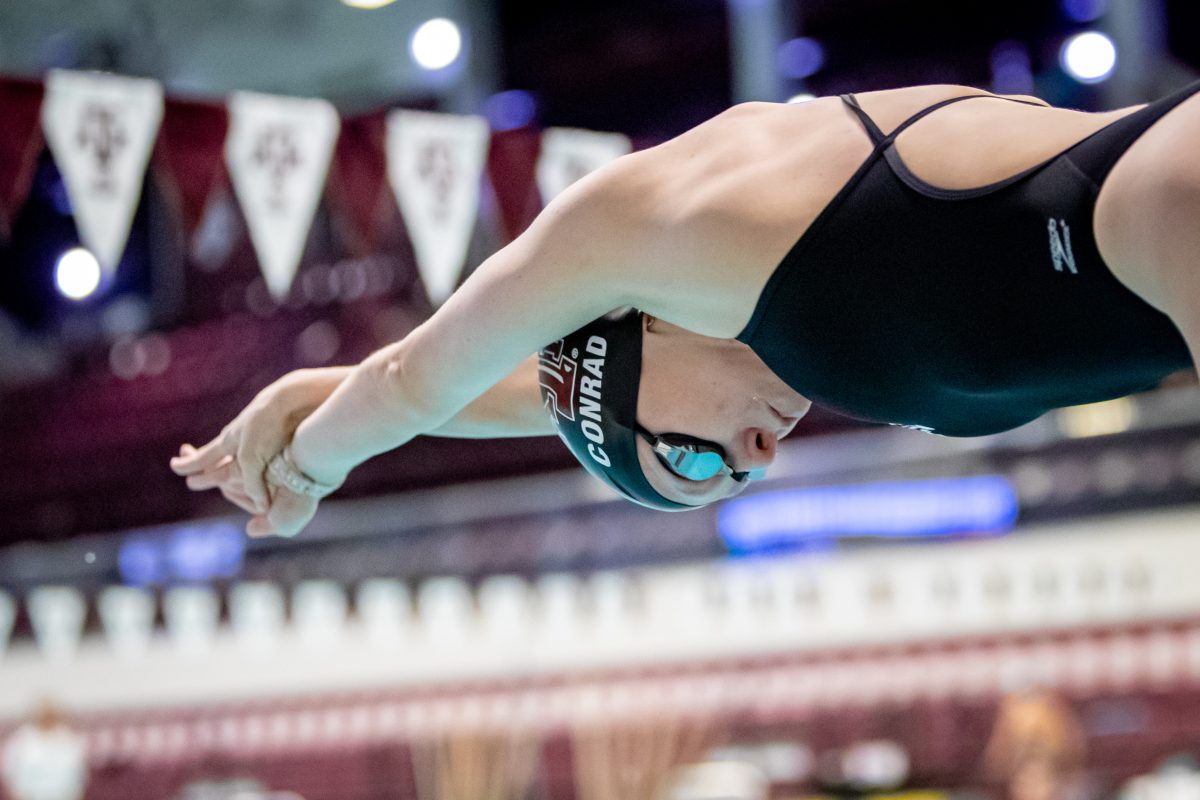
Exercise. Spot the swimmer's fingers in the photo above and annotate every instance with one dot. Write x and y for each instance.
(225, 477)
(252, 458)
(262, 429)
(224, 471)
(238, 499)
(190, 460)
(287, 516)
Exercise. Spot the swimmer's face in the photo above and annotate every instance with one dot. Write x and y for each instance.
(712, 389)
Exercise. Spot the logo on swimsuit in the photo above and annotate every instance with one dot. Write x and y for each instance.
(1060, 246)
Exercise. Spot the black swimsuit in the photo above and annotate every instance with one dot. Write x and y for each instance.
(963, 312)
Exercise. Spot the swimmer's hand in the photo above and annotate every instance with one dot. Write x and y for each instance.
(235, 461)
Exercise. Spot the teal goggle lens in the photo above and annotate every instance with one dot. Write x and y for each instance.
(695, 459)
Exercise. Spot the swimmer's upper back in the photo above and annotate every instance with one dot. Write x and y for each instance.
(733, 195)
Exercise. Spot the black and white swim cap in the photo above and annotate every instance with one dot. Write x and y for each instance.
(589, 381)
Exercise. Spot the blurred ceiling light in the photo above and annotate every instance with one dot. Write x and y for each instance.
(317, 344)
(1097, 419)
(436, 44)
(1012, 72)
(126, 314)
(126, 359)
(77, 273)
(800, 58)
(1084, 10)
(368, 4)
(803, 97)
(1089, 57)
(510, 110)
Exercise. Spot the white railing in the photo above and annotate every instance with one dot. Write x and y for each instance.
(1110, 571)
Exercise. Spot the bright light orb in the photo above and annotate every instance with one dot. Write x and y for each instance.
(1089, 57)
(436, 44)
(77, 273)
(368, 4)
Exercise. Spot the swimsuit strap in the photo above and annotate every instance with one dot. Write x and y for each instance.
(924, 112)
(873, 131)
(882, 141)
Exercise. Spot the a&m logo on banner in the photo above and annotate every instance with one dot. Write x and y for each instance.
(435, 165)
(569, 154)
(278, 151)
(101, 129)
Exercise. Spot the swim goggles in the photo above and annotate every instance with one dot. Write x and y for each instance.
(694, 459)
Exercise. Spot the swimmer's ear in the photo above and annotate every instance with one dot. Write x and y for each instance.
(649, 321)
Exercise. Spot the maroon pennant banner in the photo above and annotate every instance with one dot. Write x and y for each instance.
(190, 152)
(358, 176)
(20, 144)
(511, 167)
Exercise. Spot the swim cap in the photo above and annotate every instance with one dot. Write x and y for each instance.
(589, 381)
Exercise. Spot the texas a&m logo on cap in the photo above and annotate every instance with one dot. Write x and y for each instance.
(556, 376)
(573, 394)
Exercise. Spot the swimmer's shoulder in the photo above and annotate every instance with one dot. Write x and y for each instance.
(710, 214)
(890, 107)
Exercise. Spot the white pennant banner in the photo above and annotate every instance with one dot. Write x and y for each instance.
(101, 129)
(57, 614)
(567, 154)
(435, 164)
(278, 151)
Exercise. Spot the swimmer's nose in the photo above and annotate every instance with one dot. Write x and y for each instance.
(759, 445)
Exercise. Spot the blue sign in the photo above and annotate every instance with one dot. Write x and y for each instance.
(198, 552)
(900, 509)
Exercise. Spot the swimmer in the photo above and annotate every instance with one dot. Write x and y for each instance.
(937, 257)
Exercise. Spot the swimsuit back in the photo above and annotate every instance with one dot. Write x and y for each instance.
(963, 312)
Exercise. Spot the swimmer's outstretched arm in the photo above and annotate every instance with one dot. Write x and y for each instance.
(551, 280)
(513, 407)
(582, 257)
